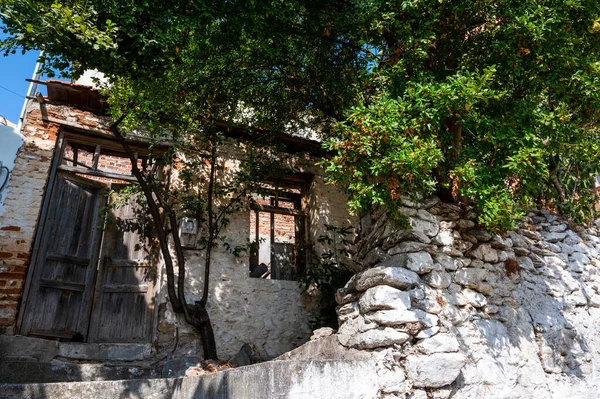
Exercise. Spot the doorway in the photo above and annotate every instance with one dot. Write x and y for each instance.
(92, 276)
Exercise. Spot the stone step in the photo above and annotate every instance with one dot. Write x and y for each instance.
(46, 350)
(139, 389)
(29, 370)
(330, 379)
(35, 360)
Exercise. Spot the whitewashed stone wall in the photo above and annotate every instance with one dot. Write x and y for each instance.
(453, 311)
(272, 315)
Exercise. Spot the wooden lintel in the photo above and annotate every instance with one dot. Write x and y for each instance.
(76, 127)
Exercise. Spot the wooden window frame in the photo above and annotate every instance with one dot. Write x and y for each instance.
(299, 182)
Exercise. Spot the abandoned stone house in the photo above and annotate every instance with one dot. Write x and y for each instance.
(64, 276)
(444, 310)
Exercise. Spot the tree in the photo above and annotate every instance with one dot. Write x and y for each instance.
(161, 81)
(490, 102)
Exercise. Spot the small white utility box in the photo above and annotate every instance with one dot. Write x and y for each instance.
(188, 231)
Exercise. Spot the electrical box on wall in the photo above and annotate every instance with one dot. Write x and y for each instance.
(188, 232)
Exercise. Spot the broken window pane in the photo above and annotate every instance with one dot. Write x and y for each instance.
(277, 232)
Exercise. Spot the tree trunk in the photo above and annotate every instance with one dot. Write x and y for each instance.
(195, 315)
(448, 187)
(204, 326)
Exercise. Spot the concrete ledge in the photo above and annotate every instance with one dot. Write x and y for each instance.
(331, 379)
(24, 371)
(106, 352)
(14, 347)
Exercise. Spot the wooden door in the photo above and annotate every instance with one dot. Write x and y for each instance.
(63, 278)
(124, 299)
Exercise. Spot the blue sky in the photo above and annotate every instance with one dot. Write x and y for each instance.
(14, 69)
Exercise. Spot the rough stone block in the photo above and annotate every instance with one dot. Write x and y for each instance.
(384, 297)
(353, 327)
(486, 253)
(419, 262)
(379, 337)
(476, 299)
(424, 223)
(439, 343)
(405, 235)
(374, 256)
(554, 237)
(470, 277)
(411, 246)
(399, 317)
(438, 279)
(447, 262)
(393, 276)
(444, 237)
(434, 371)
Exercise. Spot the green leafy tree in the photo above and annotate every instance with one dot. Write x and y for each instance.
(490, 102)
(494, 102)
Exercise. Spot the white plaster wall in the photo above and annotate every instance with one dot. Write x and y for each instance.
(273, 315)
(10, 142)
(326, 205)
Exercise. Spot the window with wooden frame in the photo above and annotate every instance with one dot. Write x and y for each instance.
(278, 233)
(100, 158)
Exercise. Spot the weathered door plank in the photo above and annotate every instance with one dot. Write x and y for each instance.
(64, 273)
(124, 299)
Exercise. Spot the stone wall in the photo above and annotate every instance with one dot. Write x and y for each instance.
(22, 206)
(454, 311)
(271, 314)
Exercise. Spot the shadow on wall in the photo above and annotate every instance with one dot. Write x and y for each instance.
(546, 328)
(557, 321)
(272, 314)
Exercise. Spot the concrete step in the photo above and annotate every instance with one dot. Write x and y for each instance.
(27, 370)
(329, 379)
(35, 360)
